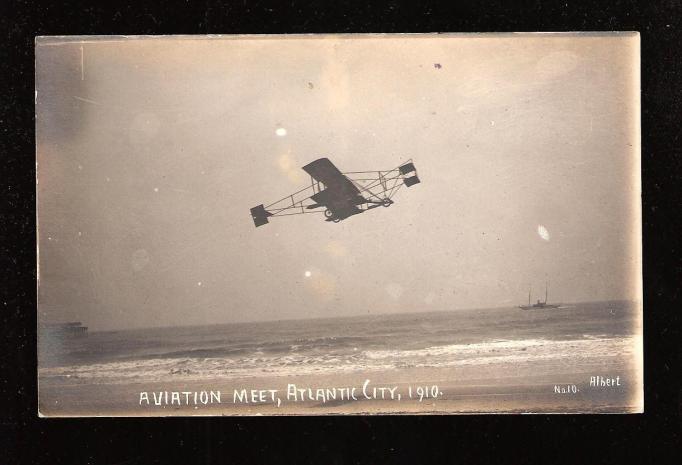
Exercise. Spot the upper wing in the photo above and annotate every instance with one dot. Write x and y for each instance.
(324, 171)
(340, 195)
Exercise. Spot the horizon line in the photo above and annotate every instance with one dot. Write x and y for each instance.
(140, 328)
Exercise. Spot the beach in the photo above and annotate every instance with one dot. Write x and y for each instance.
(462, 392)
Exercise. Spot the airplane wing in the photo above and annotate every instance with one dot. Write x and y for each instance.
(340, 195)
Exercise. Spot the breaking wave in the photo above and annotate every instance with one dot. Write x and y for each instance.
(307, 357)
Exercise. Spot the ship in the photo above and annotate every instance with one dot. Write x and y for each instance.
(539, 304)
(64, 330)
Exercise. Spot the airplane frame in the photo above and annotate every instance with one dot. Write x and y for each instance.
(377, 187)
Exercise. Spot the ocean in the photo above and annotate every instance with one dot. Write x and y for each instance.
(360, 344)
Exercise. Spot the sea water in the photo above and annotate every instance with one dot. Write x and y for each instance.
(344, 345)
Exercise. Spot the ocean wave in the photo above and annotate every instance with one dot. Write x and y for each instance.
(328, 344)
(261, 363)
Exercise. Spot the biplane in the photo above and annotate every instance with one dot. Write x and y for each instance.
(339, 195)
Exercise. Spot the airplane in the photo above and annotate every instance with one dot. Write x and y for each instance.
(339, 195)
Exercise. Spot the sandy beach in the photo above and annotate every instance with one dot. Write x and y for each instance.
(534, 387)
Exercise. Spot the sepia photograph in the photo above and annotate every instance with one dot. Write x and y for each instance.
(344, 224)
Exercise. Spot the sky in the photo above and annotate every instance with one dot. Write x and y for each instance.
(151, 152)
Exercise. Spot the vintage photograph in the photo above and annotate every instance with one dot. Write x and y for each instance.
(339, 224)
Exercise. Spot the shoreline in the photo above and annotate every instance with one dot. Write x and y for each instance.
(462, 390)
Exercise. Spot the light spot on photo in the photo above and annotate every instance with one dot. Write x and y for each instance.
(336, 249)
(290, 167)
(543, 232)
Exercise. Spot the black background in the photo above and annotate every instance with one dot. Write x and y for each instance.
(653, 437)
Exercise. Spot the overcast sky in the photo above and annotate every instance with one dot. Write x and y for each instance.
(151, 152)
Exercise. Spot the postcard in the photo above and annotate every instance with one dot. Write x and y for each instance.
(339, 224)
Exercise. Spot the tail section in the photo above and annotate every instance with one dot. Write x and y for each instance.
(260, 215)
(406, 169)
